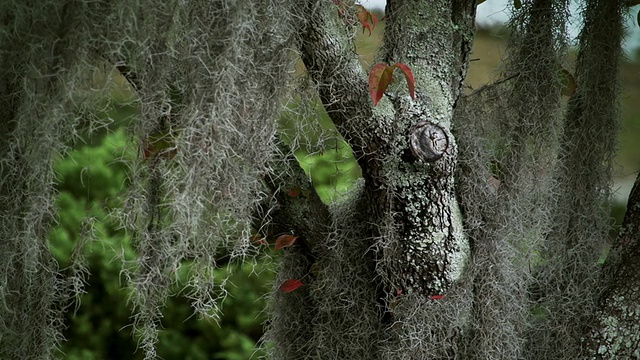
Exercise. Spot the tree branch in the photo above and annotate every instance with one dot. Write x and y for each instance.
(301, 211)
(329, 55)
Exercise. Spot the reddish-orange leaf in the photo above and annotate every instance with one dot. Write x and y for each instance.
(379, 78)
(171, 153)
(259, 239)
(411, 81)
(147, 152)
(290, 285)
(436, 297)
(364, 16)
(294, 192)
(284, 241)
(374, 20)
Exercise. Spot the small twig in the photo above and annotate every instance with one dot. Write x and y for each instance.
(488, 86)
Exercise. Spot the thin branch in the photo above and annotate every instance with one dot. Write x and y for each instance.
(492, 85)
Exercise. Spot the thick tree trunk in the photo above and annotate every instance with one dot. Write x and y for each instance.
(616, 330)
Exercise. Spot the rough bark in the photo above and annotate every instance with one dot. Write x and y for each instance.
(616, 331)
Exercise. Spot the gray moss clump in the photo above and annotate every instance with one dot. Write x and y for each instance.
(209, 76)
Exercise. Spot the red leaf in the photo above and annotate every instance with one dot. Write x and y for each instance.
(257, 238)
(436, 297)
(284, 241)
(379, 78)
(411, 81)
(294, 192)
(364, 16)
(290, 285)
(374, 20)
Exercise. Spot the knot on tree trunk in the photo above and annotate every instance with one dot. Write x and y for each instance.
(428, 142)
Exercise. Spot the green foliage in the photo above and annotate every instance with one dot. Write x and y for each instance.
(91, 181)
(319, 148)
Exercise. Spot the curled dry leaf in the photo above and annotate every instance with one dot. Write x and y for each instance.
(284, 241)
(290, 285)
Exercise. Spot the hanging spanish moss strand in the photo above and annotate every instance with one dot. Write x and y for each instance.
(519, 174)
(209, 76)
(567, 284)
(42, 48)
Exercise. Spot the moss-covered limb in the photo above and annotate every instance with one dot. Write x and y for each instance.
(328, 52)
(615, 333)
(463, 17)
(491, 272)
(298, 209)
(434, 39)
(336, 313)
(569, 279)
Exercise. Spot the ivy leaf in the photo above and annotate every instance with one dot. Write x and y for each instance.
(290, 285)
(284, 241)
(411, 81)
(568, 82)
(378, 85)
(517, 4)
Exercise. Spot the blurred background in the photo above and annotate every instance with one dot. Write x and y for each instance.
(93, 178)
